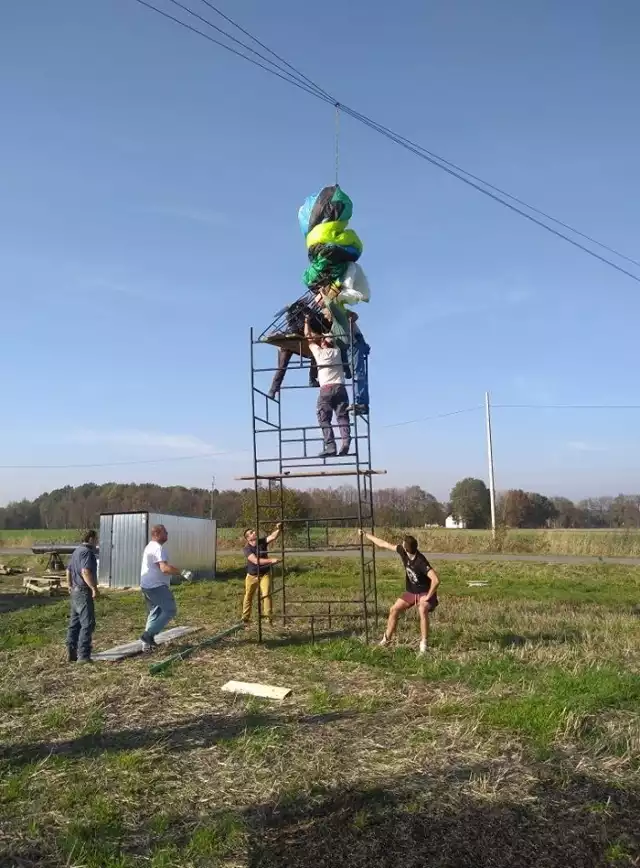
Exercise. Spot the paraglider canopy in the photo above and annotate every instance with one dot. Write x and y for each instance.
(333, 250)
(330, 205)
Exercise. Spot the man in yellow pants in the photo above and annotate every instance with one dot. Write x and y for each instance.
(258, 571)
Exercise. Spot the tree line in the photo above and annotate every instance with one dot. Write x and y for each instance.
(80, 507)
(470, 504)
(412, 506)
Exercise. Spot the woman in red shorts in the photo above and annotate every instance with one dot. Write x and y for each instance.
(420, 589)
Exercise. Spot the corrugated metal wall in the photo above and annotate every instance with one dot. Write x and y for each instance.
(192, 541)
(191, 545)
(128, 539)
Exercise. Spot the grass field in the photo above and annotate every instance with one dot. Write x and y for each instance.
(596, 543)
(514, 743)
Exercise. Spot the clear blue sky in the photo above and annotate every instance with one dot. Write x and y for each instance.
(148, 216)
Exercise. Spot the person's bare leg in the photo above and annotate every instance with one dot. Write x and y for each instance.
(392, 622)
(423, 609)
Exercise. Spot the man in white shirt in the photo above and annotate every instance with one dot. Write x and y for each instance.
(155, 579)
(333, 395)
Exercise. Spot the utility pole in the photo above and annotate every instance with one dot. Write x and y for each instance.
(213, 486)
(492, 488)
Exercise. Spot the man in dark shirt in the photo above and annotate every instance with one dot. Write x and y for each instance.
(421, 581)
(82, 578)
(258, 571)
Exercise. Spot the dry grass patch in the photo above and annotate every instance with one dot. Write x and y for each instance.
(514, 743)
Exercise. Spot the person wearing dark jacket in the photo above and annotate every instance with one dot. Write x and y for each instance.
(82, 579)
(296, 314)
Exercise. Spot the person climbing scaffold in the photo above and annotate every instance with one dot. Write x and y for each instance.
(258, 571)
(333, 397)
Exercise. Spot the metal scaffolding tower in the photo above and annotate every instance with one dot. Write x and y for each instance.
(284, 451)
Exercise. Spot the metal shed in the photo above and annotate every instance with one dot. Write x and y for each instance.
(123, 536)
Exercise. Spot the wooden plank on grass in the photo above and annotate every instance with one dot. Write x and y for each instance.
(130, 649)
(266, 691)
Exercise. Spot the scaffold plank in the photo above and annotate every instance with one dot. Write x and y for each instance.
(286, 475)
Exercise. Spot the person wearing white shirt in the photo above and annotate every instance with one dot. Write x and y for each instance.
(155, 580)
(333, 395)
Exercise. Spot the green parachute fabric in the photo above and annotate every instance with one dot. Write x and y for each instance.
(322, 273)
(331, 245)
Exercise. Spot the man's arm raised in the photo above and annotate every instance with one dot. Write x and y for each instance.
(383, 544)
(276, 533)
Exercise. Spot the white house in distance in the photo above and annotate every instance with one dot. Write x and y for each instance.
(454, 524)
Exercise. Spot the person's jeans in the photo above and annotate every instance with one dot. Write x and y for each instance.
(250, 586)
(82, 623)
(161, 605)
(284, 357)
(360, 365)
(334, 398)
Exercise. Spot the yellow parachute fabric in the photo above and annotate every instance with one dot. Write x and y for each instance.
(335, 233)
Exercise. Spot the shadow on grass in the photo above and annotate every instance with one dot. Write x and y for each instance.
(568, 636)
(304, 637)
(176, 736)
(16, 602)
(424, 821)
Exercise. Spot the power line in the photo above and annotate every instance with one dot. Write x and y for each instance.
(266, 48)
(205, 455)
(493, 187)
(445, 168)
(567, 406)
(195, 457)
(232, 38)
(307, 84)
(117, 463)
(422, 148)
(284, 77)
(437, 416)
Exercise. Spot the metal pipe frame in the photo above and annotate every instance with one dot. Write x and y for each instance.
(269, 509)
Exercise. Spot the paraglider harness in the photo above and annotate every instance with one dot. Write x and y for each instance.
(287, 333)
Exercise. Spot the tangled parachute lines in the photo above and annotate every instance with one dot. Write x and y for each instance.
(332, 247)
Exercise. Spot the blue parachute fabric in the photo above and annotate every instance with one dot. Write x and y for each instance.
(330, 205)
(304, 214)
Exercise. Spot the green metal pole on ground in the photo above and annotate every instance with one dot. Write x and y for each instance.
(155, 668)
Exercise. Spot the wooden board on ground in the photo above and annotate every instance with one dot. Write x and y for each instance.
(266, 691)
(130, 649)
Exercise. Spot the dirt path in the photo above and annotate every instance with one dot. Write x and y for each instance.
(435, 556)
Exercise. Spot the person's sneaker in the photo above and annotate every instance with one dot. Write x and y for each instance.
(423, 649)
(359, 409)
(85, 660)
(72, 655)
(327, 453)
(345, 449)
(148, 643)
(384, 641)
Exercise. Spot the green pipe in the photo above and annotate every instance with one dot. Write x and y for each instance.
(155, 668)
